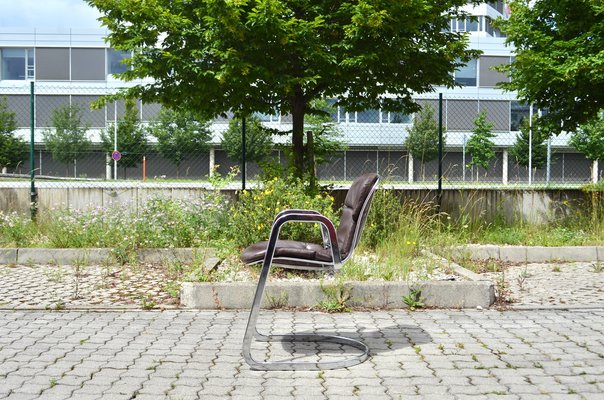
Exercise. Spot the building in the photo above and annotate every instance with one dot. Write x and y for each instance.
(76, 67)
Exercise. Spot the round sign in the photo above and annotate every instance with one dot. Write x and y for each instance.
(116, 155)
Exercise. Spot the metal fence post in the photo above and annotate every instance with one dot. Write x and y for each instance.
(32, 165)
(243, 150)
(440, 149)
(530, 149)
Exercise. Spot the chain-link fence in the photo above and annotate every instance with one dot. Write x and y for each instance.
(74, 141)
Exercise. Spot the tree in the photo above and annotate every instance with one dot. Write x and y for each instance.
(67, 141)
(520, 149)
(589, 139)
(422, 137)
(131, 137)
(258, 140)
(480, 146)
(558, 58)
(260, 55)
(180, 135)
(327, 136)
(13, 150)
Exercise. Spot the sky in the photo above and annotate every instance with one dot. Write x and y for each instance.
(47, 14)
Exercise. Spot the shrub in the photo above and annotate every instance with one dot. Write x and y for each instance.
(15, 229)
(382, 220)
(252, 216)
(160, 223)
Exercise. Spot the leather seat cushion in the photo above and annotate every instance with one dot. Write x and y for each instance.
(287, 248)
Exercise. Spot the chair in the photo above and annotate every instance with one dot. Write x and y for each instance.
(337, 248)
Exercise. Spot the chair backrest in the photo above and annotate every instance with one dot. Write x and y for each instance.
(354, 212)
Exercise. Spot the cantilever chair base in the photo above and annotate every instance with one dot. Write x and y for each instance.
(310, 366)
(326, 257)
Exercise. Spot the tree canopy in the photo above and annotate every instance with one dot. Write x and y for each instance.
(258, 140)
(180, 135)
(422, 138)
(68, 140)
(480, 145)
(589, 139)
(247, 56)
(12, 149)
(131, 137)
(531, 136)
(559, 58)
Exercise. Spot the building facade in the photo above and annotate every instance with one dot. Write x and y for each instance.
(76, 67)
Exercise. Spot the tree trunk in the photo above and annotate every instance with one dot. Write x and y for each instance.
(298, 109)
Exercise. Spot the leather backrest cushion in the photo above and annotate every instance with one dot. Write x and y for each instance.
(357, 194)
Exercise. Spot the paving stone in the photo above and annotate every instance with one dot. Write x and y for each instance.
(532, 338)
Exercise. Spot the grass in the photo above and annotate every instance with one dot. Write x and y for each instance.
(397, 230)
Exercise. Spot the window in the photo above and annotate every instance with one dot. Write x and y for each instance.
(368, 117)
(333, 110)
(491, 30)
(115, 64)
(87, 64)
(398, 118)
(497, 5)
(266, 117)
(519, 112)
(17, 64)
(470, 24)
(466, 75)
(52, 63)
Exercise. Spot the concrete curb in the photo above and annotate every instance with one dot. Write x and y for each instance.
(536, 254)
(89, 256)
(384, 295)
(8, 256)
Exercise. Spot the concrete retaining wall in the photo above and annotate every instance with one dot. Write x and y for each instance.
(487, 204)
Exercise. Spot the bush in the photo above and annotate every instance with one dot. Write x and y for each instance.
(160, 223)
(252, 216)
(382, 220)
(16, 230)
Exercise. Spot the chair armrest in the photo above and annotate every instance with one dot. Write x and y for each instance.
(296, 211)
(309, 217)
(324, 231)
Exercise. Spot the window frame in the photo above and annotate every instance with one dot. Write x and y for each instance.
(28, 57)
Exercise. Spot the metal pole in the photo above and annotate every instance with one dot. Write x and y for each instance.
(243, 150)
(115, 138)
(440, 149)
(32, 165)
(530, 160)
(549, 155)
(463, 156)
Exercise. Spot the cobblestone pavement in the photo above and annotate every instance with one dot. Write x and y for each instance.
(55, 286)
(433, 354)
(52, 286)
(572, 284)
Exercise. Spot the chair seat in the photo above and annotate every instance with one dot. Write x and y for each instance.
(287, 249)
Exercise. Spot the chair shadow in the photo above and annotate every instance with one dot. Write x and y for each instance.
(380, 341)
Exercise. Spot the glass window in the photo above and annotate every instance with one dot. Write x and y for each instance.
(30, 63)
(17, 64)
(333, 110)
(472, 24)
(519, 112)
(466, 75)
(368, 117)
(399, 118)
(114, 61)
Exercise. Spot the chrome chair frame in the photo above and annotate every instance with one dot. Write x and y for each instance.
(330, 241)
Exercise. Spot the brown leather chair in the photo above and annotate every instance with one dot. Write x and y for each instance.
(338, 246)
